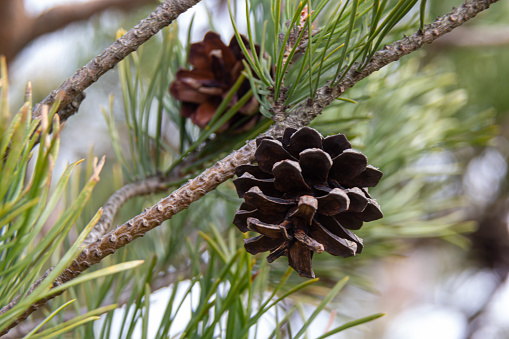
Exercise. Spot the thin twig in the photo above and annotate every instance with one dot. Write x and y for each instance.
(150, 185)
(18, 27)
(224, 169)
(164, 15)
(116, 200)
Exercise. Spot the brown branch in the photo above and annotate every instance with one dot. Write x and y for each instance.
(72, 107)
(224, 169)
(164, 15)
(165, 209)
(115, 201)
(151, 185)
(151, 218)
(13, 24)
(18, 28)
(307, 111)
(60, 16)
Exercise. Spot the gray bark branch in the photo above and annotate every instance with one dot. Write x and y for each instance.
(151, 185)
(164, 15)
(307, 111)
(115, 201)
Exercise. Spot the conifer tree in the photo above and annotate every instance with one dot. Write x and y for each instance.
(197, 113)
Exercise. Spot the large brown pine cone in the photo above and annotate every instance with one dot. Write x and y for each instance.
(304, 196)
(216, 67)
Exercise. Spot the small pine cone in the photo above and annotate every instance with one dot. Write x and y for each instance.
(304, 196)
(216, 67)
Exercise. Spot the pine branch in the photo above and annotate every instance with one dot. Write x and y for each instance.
(151, 185)
(72, 107)
(137, 227)
(304, 113)
(164, 15)
(18, 28)
(224, 169)
(120, 197)
(157, 283)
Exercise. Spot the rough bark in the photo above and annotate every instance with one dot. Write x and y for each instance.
(307, 111)
(164, 15)
(151, 185)
(113, 204)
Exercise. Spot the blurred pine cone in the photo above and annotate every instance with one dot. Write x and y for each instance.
(304, 196)
(216, 67)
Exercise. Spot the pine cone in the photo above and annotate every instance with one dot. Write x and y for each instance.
(304, 196)
(216, 67)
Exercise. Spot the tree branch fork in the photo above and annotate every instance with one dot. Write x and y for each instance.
(194, 189)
